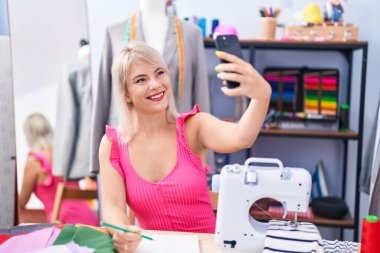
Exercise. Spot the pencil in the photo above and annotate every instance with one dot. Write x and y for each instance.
(124, 230)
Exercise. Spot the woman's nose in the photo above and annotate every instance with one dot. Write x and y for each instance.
(154, 84)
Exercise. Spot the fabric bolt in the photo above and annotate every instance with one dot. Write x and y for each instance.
(74, 111)
(36, 240)
(72, 211)
(339, 246)
(180, 201)
(282, 236)
(86, 236)
(195, 90)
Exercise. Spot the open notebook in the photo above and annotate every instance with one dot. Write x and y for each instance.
(169, 244)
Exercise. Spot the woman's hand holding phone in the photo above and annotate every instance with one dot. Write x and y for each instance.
(252, 84)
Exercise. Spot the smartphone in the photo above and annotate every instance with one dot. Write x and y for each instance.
(231, 45)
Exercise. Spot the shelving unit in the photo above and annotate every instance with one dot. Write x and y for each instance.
(347, 49)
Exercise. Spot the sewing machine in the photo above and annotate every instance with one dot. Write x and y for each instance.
(241, 186)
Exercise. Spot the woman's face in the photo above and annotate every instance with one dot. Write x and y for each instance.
(148, 87)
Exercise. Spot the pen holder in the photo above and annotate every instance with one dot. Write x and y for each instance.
(268, 28)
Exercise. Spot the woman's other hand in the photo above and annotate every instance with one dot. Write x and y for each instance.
(127, 242)
(252, 84)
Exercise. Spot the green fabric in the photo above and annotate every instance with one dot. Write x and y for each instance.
(66, 235)
(85, 236)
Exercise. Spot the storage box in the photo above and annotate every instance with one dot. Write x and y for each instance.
(323, 32)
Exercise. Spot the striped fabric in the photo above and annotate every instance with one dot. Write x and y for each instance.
(180, 201)
(339, 246)
(283, 237)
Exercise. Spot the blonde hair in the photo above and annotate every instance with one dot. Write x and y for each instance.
(38, 132)
(135, 52)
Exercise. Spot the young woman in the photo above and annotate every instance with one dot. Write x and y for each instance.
(154, 162)
(38, 176)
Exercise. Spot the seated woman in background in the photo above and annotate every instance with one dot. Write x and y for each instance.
(38, 176)
(155, 161)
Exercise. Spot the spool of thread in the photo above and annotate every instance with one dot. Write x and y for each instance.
(370, 235)
(202, 25)
(214, 24)
(344, 120)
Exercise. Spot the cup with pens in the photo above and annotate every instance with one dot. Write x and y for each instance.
(268, 22)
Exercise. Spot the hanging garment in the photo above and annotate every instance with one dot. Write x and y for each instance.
(29, 242)
(195, 86)
(367, 170)
(74, 111)
(374, 205)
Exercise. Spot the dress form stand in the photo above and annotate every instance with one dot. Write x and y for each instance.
(154, 23)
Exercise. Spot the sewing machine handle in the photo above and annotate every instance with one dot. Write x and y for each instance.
(263, 160)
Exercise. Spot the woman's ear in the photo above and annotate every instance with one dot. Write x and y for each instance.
(128, 98)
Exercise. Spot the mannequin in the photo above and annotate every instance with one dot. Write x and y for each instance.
(180, 43)
(154, 23)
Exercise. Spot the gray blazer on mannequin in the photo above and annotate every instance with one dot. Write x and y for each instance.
(196, 90)
(72, 137)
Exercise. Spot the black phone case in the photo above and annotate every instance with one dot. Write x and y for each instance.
(231, 45)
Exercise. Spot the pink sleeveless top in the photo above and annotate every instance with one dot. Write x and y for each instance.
(72, 211)
(180, 201)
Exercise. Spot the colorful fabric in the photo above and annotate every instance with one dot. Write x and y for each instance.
(68, 248)
(86, 236)
(30, 242)
(72, 211)
(4, 238)
(282, 236)
(278, 211)
(180, 201)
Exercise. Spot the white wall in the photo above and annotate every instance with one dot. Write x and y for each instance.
(44, 35)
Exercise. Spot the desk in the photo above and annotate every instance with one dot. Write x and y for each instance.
(206, 241)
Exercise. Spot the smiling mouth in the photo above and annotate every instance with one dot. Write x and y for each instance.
(157, 96)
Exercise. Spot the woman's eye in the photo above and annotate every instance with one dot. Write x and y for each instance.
(140, 81)
(160, 73)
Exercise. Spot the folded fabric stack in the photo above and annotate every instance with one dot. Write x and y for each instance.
(284, 89)
(50, 238)
(320, 94)
(283, 236)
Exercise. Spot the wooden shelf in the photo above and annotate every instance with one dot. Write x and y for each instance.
(310, 133)
(278, 44)
(346, 222)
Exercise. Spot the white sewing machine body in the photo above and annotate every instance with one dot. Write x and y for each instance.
(241, 186)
